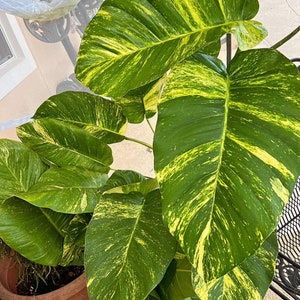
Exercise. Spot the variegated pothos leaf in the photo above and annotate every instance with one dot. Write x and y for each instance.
(141, 102)
(63, 144)
(97, 115)
(67, 190)
(74, 240)
(159, 34)
(127, 181)
(128, 248)
(177, 283)
(35, 233)
(226, 153)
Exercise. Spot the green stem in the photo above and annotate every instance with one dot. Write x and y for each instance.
(152, 129)
(285, 39)
(138, 142)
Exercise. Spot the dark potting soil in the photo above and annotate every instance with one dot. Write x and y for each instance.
(53, 279)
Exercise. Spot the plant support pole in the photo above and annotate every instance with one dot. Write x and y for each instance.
(228, 48)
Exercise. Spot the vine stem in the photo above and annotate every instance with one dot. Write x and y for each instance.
(138, 142)
(150, 125)
(285, 39)
(141, 142)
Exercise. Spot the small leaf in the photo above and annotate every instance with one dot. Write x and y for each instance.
(249, 34)
(177, 283)
(66, 190)
(132, 107)
(74, 241)
(99, 116)
(63, 144)
(153, 296)
(141, 102)
(151, 98)
(125, 182)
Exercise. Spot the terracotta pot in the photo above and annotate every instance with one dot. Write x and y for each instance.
(75, 290)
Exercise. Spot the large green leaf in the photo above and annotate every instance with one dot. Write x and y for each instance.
(64, 144)
(158, 34)
(101, 117)
(20, 168)
(128, 248)
(248, 281)
(227, 154)
(35, 233)
(67, 190)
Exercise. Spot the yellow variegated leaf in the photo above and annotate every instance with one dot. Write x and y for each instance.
(66, 190)
(128, 248)
(130, 43)
(97, 115)
(227, 154)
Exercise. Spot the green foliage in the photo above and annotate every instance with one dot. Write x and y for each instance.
(235, 160)
(135, 246)
(225, 150)
(158, 35)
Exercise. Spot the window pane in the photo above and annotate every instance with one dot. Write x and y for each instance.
(5, 52)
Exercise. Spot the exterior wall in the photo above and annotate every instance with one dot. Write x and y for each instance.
(53, 65)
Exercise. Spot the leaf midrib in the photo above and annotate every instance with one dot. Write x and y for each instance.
(72, 150)
(83, 125)
(223, 138)
(51, 222)
(131, 237)
(155, 44)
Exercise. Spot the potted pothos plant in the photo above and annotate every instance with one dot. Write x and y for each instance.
(225, 147)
